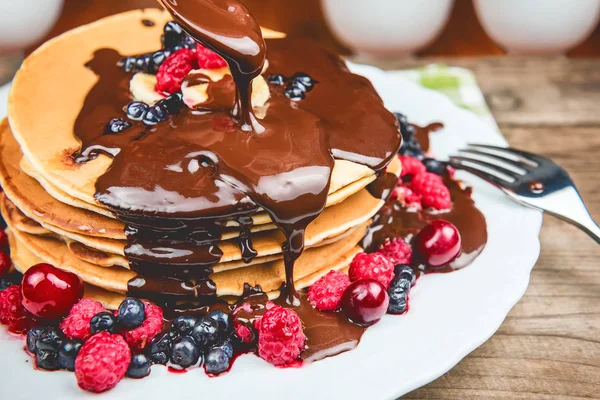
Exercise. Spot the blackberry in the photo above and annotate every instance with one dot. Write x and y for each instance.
(139, 367)
(172, 104)
(68, 352)
(104, 321)
(216, 361)
(183, 324)
(116, 125)
(184, 352)
(294, 92)
(49, 339)
(47, 359)
(303, 81)
(435, 166)
(155, 114)
(406, 272)
(276, 79)
(32, 337)
(159, 349)
(131, 313)
(223, 319)
(206, 332)
(135, 110)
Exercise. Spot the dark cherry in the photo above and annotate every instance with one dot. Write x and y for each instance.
(3, 240)
(49, 292)
(365, 301)
(437, 244)
(5, 264)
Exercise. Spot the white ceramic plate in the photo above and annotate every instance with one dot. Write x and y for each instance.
(450, 314)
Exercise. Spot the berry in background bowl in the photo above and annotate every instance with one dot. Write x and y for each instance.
(48, 292)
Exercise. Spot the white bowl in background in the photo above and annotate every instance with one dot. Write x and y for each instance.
(386, 27)
(25, 22)
(538, 26)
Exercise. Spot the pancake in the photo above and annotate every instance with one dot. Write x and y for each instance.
(32, 117)
(270, 276)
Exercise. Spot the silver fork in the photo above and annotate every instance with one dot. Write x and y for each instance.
(529, 179)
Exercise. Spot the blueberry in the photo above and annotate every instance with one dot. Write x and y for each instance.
(159, 349)
(227, 347)
(184, 352)
(47, 359)
(172, 35)
(435, 166)
(223, 319)
(303, 80)
(187, 42)
(135, 110)
(405, 271)
(9, 280)
(276, 79)
(49, 339)
(68, 352)
(104, 321)
(139, 367)
(402, 119)
(183, 324)
(206, 332)
(32, 337)
(173, 103)
(413, 149)
(398, 292)
(131, 313)
(155, 114)
(116, 125)
(216, 361)
(294, 93)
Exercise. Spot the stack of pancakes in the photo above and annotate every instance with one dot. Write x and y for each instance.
(49, 204)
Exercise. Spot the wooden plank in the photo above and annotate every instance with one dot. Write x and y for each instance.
(531, 91)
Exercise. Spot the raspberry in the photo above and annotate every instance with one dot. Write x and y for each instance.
(371, 266)
(246, 318)
(209, 59)
(139, 338)
(102, 362)
(432, 190)
(12, 312)
(397, 251)
(172, 71)
(326, 293)
(411, 166)
(77, 324)
(406, 195)
(281, 337)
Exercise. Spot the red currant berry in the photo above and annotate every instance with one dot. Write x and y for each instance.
(3, 240)
(365, 301)
(5, 263)
(49, 292)
(438, 243)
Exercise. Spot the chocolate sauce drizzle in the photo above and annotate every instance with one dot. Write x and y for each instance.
(175, 185)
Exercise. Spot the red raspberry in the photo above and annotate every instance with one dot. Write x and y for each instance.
(371, 266)
(397, 251)
(326, 293)
(5, 263)
(12, 312)
(77, 324)
(406, 195)
(411, 166)
(172, 71)
(432, 190)
(102, 362)
(246, 317)
(3, 240)
(281, 337)
(139, 337)
(209, 59)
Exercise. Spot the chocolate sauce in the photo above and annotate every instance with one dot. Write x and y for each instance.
(175, 185)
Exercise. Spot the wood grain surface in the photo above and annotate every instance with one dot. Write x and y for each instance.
(549, 345)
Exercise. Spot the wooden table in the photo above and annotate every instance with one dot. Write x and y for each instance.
(549, 346)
